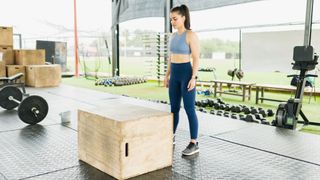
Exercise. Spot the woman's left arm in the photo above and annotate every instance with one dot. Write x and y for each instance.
(195, 54)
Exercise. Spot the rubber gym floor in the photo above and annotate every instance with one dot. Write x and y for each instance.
(229, 149)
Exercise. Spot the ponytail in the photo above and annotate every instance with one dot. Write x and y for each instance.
(183, 10)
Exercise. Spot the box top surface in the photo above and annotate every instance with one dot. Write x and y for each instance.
(44, 65)
(18, 50)
(10, 65)
(119, 111)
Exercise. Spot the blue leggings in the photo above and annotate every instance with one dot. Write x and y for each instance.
(180, 75)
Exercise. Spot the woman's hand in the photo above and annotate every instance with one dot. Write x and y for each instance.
(191, 84)
(166, 81)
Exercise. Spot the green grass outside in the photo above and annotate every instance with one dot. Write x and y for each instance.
(152, 91)
(138, 66)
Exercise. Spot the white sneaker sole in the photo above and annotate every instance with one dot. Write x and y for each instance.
(189, 154)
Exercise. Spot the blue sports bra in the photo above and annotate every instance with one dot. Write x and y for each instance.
(178, 44)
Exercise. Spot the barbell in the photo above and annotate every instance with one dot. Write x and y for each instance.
(31, 110)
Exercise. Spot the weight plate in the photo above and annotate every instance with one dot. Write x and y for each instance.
(33, 109)
(281, 115)
(4, 97)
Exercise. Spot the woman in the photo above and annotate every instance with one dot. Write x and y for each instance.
(184, 45)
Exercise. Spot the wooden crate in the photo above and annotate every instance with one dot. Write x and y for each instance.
(125, 140)
(29, 57)
(2, 69)
(6, 36)
(43, 75)
(14, 69)
(6, 55)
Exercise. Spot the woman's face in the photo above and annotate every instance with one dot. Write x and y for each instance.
(177, 20)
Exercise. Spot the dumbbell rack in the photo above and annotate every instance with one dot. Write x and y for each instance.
(209, 70)
(206, 70)
(157, 45)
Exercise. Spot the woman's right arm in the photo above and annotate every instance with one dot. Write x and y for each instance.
(166, 77)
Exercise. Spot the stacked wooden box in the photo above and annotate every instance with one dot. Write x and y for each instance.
(43, 75)
(125, 140)
(29, 62)
(6, 49)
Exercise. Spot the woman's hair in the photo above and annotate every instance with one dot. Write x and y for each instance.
(183, 10)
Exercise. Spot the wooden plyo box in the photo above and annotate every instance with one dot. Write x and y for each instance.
(6, 36)
(14, 69)
(43, 75)
(6, 55)
(2, 69)
(29, 57)
(125, 140)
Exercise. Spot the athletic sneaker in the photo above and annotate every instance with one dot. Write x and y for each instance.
(192, 148)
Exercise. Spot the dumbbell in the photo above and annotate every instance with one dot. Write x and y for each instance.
(107, 82)
(220, 101)
(164, 102)
(198, 103)
(222, 106)
(204, 103)
(251, 118)
(219, 113)
(236, 109)
(210, 102)
(263, 112)
(202, 110)
(242, 117)
(254, 111)
(270, 112)
(243, 106)
(31, 110)
(212, 112)
(227, 107)
(226, 114)
(216, 106)
(264, 121)
(258, 116)
(246, 110)
(234, 116)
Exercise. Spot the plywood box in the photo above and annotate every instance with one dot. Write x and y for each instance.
(43, 75)
(125, 140)
(29, 57)
(15, 69)
(6, 55)
(2, 69)
(6, 36)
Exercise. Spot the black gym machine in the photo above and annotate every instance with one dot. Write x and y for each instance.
(31, 109)
(305, 60)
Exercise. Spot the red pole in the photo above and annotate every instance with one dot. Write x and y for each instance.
(76, 55)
